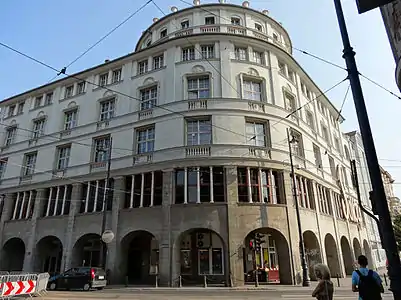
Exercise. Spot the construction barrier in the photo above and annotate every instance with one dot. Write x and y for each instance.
(22, 284)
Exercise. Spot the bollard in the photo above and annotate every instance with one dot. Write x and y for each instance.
(126, 281)
(180, 281)
(256, 279)
(385, 279)
(338, 280)
(204, 281)
(157, 281)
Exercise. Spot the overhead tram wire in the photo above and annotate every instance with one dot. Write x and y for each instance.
(342, 104)
(139, 100)
(64, 69)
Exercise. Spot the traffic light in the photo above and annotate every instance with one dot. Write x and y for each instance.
(258, 241)
(251, 245)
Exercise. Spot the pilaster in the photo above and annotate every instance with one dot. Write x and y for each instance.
(76, 196)
(37, 212)
(112, 248)
(167, 270)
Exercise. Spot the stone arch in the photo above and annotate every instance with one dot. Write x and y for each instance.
(347, 256)
(201, 252)
(72, 104)
(48, 255)
(368, 252)
(274, 257)
(253, 72)
(357, 248)
(148, 80)
(108, 94)
(13, 255)
(41, 114)
(198, 69)
(86, 251)
(312, 251)
(139, 257)
(332, 255)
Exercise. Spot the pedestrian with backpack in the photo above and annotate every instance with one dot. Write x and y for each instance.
(366, 282)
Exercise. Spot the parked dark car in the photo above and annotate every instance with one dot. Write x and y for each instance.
(85, 278)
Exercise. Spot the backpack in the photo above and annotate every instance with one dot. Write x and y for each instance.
(369, 288)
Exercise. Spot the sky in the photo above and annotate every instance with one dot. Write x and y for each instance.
(56, 32)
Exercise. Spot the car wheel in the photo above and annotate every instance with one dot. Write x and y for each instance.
(52, 286)
(86, 287)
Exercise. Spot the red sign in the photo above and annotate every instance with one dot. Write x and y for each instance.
(19, 288)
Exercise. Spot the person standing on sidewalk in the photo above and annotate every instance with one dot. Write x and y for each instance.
(325, 287)
(366, 282)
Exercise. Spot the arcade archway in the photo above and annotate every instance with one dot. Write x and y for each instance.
(48, 255)
(347, 256)
(312, 252)
(12, 255)
(86, 251)
(332, 255)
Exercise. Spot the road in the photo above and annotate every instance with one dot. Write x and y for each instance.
(198, 294)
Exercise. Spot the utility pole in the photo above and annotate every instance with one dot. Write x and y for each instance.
(379, 195)
(305, 274)
(102, 258)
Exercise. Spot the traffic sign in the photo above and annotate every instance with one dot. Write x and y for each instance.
(107, 236)
(367, 5)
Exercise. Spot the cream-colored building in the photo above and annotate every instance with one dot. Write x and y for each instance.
(198, 116)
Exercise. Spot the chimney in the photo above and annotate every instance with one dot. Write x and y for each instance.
(174, 9)
(266, 12)
(245, 4)
(155, 20)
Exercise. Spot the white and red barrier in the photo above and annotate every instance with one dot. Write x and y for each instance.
(22, 284)
(14, 288)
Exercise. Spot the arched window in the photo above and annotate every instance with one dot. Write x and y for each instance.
(236, 21)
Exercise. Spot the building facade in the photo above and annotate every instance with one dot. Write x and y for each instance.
(391, 14)
(365, 186)
(196, 122)
(392, 200)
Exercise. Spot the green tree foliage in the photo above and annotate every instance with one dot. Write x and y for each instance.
(397, 230)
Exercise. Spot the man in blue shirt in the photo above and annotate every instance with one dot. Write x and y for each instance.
(367, 282)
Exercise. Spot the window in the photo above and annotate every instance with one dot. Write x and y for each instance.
(198, 87)
(107, 109)
(209, 20)
(291, 75)
(332, 167)
(103, 79)
(296, 143)
(148, 97)
(281, 68)
(258, 27)
(275, 37)
(101, 149)
(10, 135)
(185, 24)
(163, 33)
(318, 156)
(188, 54)
(136, 197)
(325, 134)
(21, 107)
(48, 98)
(81, 87)
(70, 119)
(258, 57)
(347, 155)
(255, 134)
(3, 166)
(11, 110)
(94, 194)
(309, 119)
(29, 164)
(290, 102)
(63, 157)
(344, 171)
(158, 62)
(240, 53)
(207, 51)
(145, 140)
(142, 67)
(265, 185)
(38, 128)
(69, 90)
(199, 132)
(38, 102)
(116, 76)
(235, 21)
(337, 144)
(208, 176)
(252, 89)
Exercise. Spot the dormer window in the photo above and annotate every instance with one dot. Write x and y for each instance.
(163, 33)
(185, 24)
(258, 27)
(209, 21)
(11, 110)
(235, 21)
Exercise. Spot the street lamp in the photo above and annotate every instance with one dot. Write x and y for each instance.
(305, 274)
(102, 255)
